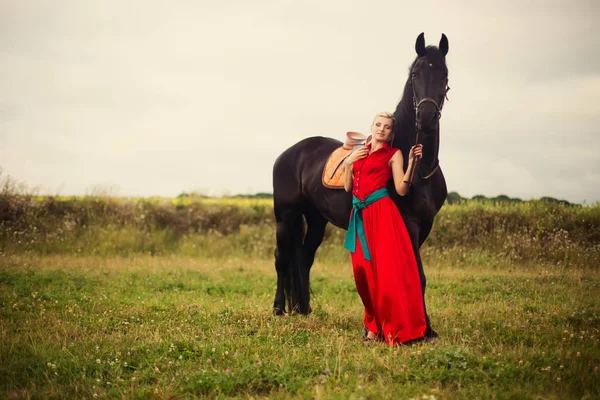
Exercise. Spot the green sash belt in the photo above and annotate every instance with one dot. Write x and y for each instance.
(356, 222)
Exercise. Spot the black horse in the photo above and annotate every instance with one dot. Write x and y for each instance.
(299, 194)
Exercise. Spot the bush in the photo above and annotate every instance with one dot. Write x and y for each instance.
(521, 231)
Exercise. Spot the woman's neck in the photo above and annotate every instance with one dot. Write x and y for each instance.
(376, 145)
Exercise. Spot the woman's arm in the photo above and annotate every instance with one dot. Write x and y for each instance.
(397, 164)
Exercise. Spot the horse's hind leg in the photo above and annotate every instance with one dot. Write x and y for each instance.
(314, 236)
(285, 217)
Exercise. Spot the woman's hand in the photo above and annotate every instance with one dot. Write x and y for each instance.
(356, 155)
(415, 151)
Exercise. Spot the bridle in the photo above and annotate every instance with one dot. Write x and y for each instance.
(417, 107)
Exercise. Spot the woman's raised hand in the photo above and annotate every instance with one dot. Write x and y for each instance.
(415, 151)
(356, 155)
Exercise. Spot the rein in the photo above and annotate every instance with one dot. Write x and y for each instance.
(417, 107)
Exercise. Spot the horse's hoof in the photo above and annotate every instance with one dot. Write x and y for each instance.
(278, 312)
(431, 336)
(298, 310)
(430, 340)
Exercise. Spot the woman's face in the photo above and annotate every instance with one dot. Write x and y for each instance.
(382, 129)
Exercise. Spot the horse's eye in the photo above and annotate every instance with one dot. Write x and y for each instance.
(413, 75)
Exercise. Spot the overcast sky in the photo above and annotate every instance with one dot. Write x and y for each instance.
(157, 98)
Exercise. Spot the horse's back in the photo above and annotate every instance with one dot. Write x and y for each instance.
(305, 157)
(305, 150)
(297, 180)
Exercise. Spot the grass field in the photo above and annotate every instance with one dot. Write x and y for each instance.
(182, 327)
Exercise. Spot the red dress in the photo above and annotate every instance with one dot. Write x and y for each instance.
(389, 284)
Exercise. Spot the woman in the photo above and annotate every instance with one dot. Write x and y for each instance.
(385, 269)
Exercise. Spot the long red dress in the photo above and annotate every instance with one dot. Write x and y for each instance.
(389, 284)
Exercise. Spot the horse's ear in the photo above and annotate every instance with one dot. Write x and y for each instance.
(420, 45)
(444, 45)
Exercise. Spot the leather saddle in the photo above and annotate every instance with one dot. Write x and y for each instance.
(333, 175)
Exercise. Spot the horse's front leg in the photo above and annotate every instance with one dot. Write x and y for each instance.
(414, 231)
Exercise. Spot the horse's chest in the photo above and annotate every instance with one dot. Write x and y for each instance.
(421, 203)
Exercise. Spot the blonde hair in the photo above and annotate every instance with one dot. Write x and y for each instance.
(387, 115)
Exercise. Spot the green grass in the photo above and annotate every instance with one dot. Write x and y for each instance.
(184, 327)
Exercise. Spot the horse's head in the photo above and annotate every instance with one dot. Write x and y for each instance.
(429, 82)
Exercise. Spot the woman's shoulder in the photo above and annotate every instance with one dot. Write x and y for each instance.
(389, 148)
(394, 151)
(391, 151)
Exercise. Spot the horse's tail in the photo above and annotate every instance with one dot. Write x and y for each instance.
(296, 285)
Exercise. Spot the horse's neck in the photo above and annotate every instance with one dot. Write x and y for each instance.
(431, 149)
(406, 136)
(405, 133)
